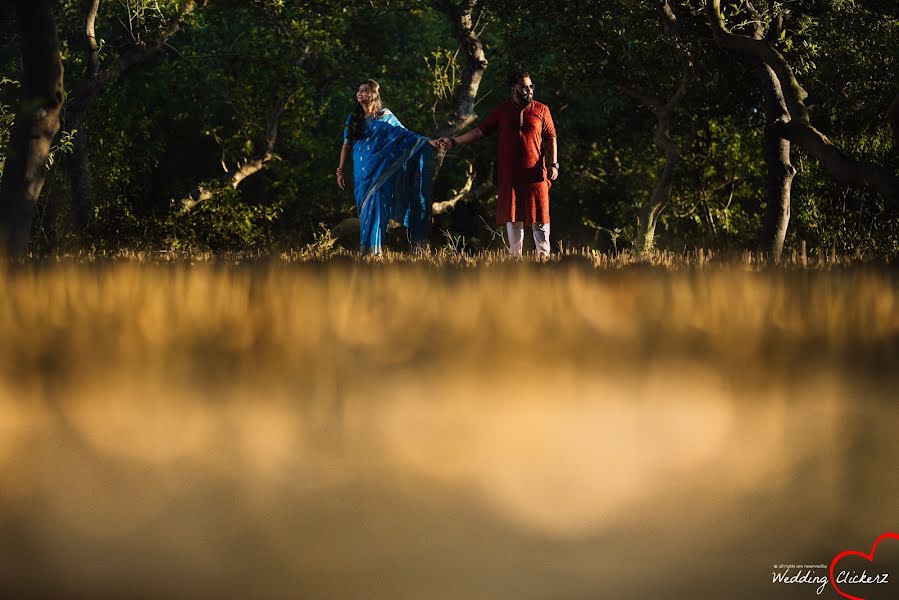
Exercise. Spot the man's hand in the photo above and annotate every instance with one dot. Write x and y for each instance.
(553, 172)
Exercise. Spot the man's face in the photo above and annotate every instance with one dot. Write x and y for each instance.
(523, 91)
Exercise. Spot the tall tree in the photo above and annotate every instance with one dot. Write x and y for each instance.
(663, 109)
(776, 147)
(37, 122)
(798, 127)
(86, 90)
(79, 164)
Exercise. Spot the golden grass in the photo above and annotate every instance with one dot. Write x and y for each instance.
(207, 426)
(326, 250)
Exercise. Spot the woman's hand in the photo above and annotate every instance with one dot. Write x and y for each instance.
(436, 144)
(340, 182)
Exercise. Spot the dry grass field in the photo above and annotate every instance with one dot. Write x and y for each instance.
(442, 426)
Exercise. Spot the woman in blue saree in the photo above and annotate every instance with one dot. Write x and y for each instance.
(392, 171)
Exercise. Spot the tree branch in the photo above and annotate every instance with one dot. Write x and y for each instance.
(146, 50)
(794, 93)
(249, 166)
(462, 113)
(668, 18)
(450, 203)
(686, 78)
(93, 50)
(844, 169)
(797, 127)
(775, 29)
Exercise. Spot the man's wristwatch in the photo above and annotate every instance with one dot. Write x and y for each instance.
(555, 164)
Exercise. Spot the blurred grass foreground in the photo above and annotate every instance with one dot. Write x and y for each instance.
(355, 429)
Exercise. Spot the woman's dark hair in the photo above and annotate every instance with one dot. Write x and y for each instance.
(357, 122)
(517, 76)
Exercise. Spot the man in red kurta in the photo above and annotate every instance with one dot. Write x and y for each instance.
(526, 134)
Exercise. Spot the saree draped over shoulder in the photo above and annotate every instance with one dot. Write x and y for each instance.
(392, 172)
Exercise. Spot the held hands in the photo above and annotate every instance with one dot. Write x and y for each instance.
(444, 143)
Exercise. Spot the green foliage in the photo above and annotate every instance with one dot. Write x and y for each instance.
(7, 113)
(64, 145)
(224, 222)
(205, 104)
(445, 72)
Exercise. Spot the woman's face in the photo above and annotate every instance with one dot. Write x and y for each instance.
(364, 94)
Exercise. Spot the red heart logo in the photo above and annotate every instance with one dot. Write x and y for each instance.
(868, 557)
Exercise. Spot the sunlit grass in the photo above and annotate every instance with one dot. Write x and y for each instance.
(341, 424)
(327, 250)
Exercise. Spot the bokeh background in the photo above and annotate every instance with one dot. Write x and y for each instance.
(394, 429)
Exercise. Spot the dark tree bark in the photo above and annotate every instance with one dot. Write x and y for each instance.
(776, 149)
(780, 169)
(798, 129)
(37, 122)
(88, 89)
(462, 114)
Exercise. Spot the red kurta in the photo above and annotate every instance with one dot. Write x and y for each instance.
(523, 186)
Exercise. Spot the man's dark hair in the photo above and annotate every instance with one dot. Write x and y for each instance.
(517, 76)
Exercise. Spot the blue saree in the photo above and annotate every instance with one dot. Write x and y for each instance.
(392, 172)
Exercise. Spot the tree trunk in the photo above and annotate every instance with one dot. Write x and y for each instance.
(37, 122)
(776, 150)
(79, 163)
(664, 112)
(462, 114)
(649, 212)
(778, 190)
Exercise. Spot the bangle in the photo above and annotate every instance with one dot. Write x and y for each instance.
(339, 172)
(453, 142)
